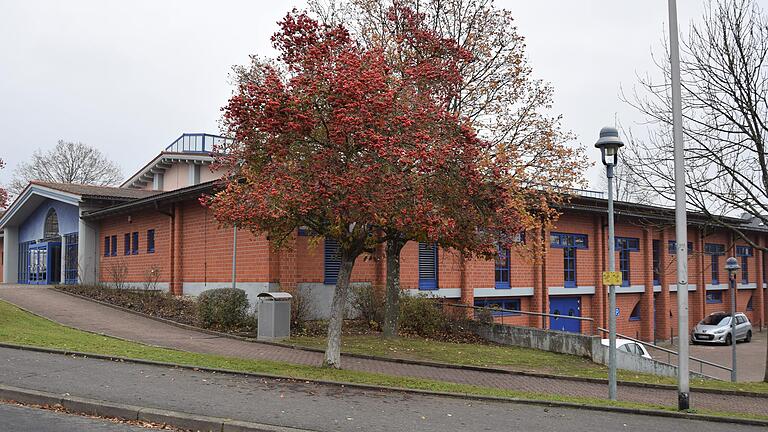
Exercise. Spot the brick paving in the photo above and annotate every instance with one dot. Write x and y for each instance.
(86, 315)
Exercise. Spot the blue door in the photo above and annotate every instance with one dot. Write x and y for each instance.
(43, 263)
(570, 306)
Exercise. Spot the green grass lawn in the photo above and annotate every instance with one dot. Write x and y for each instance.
(19, 327)
(497, 356)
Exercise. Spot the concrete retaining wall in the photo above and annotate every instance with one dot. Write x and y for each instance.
(529, 337)
(573, 344)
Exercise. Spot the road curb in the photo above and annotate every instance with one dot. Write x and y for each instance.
(132, 412)
(406, 361)
(537, 402)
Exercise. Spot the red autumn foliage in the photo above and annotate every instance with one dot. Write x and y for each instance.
(353, 140)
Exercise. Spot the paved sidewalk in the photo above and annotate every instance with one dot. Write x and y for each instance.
(309, 405)
(93, 317)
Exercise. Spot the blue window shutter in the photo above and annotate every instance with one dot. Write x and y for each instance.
(150, 241)
(114, 245)
(427, 266)
(106, 246)
(127, 245)
(332, 261)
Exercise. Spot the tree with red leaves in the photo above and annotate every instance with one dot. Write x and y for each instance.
(498, 95)
(360, 144)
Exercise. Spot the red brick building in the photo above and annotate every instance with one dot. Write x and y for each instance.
(162, 237)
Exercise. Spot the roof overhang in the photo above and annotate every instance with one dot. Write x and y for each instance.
(153, 202)
(30, 198)
(162, 162)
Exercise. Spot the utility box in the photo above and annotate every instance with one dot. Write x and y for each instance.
(274, 309)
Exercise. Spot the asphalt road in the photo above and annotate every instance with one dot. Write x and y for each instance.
(308, 405)
(23, 419)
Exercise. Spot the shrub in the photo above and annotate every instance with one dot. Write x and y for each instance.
(300, 311)
(423, 316)
(151, 277)
(370, 304)
(223, 309)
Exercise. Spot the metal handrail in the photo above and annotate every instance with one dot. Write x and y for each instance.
(590, 320)
(669, 351)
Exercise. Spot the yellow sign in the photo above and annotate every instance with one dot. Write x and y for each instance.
(612, 278)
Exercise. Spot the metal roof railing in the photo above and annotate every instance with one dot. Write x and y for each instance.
(197, 143)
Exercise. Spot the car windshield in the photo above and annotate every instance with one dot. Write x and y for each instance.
(715, 319)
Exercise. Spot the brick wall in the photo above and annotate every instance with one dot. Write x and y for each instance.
(138, 265)
(204, 254)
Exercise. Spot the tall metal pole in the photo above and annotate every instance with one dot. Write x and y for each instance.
(732, 281)
(234, 257)
(611, 290)
(681, 223)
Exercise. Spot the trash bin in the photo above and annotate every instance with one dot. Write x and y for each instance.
(274, 310)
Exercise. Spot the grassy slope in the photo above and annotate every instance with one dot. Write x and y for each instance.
(513, 358)
(19, 327)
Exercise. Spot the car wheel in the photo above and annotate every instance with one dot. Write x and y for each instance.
(749, 337)
(728, 340)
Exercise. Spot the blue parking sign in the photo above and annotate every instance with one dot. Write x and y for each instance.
(617, 311)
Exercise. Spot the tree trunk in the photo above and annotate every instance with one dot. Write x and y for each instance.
(392, 304)
(333, 350)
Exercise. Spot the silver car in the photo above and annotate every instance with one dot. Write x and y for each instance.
(716, 328)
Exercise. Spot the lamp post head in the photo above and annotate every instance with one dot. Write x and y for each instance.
(732, 264)
(609, 144)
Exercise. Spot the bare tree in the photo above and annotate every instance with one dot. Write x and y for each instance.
(725, 110)
(627, 186)
(68, 162)
(3, 192)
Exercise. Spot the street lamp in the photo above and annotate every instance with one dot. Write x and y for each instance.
(609, 144)
(731, 264)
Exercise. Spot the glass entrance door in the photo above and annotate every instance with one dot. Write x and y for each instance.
(44, 265)
(38, 264)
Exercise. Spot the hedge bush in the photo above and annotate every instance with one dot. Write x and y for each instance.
(224, 309)
(423, 316)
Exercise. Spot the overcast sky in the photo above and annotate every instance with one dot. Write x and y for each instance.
(129, 77)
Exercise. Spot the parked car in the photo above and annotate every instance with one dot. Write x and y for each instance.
(630, 346)
(716, 328)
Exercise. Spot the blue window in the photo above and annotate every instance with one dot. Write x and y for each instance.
(502, 268)
(113, 252)
(714, 251)
(106, 246)
(332, 261)
(656, 262)
(427, 266)
(512, 304)
(744, 252)
(749, 303)
(127, 244)
(135, 243)
(625, 245)
(305, 231)
(562, 240)
(151, 241)
(569, 243)
(673, 247)
(635, 315)
(714, 296)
